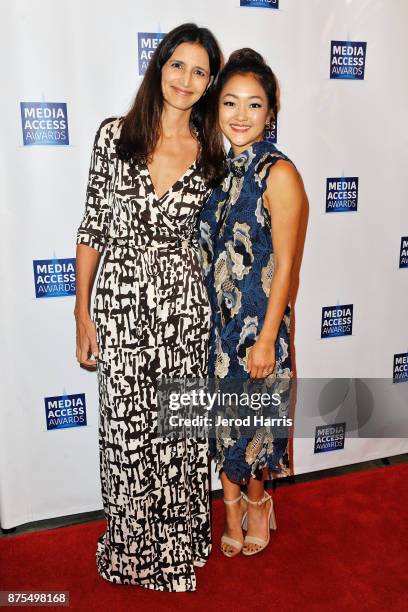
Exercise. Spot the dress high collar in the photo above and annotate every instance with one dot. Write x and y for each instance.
(239, 164)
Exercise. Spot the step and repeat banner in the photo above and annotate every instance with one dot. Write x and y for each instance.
(343, 72)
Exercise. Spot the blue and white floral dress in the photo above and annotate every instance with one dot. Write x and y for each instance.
(238, 262)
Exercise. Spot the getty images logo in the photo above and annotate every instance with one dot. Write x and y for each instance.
(62, 411)
(341, 194)
(403, 258)
(54, 277)
(337, 321)
(347, 59)
(44, 123)
(147, 45)
(272, 4)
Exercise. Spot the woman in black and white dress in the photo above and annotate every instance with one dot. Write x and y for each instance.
(150, 173)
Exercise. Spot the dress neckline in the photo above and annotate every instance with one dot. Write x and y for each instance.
(240, 163)
(150, 181)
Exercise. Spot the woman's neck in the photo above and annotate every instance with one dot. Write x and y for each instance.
(175, 122)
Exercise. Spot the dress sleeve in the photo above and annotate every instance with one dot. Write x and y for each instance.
(93, 230)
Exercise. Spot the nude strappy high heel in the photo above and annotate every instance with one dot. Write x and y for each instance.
(231, 541)
(271, 521)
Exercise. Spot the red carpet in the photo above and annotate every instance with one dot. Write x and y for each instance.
(341, 544)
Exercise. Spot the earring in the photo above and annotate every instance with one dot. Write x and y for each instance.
(268, 125)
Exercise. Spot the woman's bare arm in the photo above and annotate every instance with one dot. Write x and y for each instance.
(284, 198)
(87, 260)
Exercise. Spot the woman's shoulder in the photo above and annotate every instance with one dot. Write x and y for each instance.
(267, 157)
(107, 135)
(267, 151)
(110, 127)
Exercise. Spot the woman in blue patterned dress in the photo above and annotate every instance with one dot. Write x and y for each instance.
(248, 236)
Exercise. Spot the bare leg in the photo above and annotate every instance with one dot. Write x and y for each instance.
(257, 515)
(233, 514)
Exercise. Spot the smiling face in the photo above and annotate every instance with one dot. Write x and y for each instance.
(185, 76)
(243, 111)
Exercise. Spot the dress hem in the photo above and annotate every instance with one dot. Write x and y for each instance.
(273, 473)
(151, 587)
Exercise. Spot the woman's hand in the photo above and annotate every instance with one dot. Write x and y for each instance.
(261, 359)
(86, 343)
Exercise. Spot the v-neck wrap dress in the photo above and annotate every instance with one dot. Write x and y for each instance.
(152, 319)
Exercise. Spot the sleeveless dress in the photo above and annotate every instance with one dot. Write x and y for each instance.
(238, 261)
(152, 317)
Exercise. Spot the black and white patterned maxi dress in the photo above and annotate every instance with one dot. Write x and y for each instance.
(152, 318)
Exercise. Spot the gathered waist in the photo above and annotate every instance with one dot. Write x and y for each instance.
(158, 259)
(148, 243)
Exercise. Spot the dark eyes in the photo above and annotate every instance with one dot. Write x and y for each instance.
(252, 105)
(177, 65)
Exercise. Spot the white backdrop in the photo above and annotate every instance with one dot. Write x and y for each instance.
(85, 54)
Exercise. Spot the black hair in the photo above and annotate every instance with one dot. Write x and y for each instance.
(248, 61)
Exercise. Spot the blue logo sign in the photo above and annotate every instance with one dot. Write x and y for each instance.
(329, 437)
(271, 135)
(342, 194)
(403, 261)
(347, 60)
(147, 44)
(64, 411)
(272, 4)
(54, 277)
(44, 123)
(337, 321)
(400, 369)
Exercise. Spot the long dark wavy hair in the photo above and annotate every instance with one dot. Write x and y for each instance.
(141, 126)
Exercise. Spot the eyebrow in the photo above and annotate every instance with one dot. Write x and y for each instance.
(181, 62)
(234, 96)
